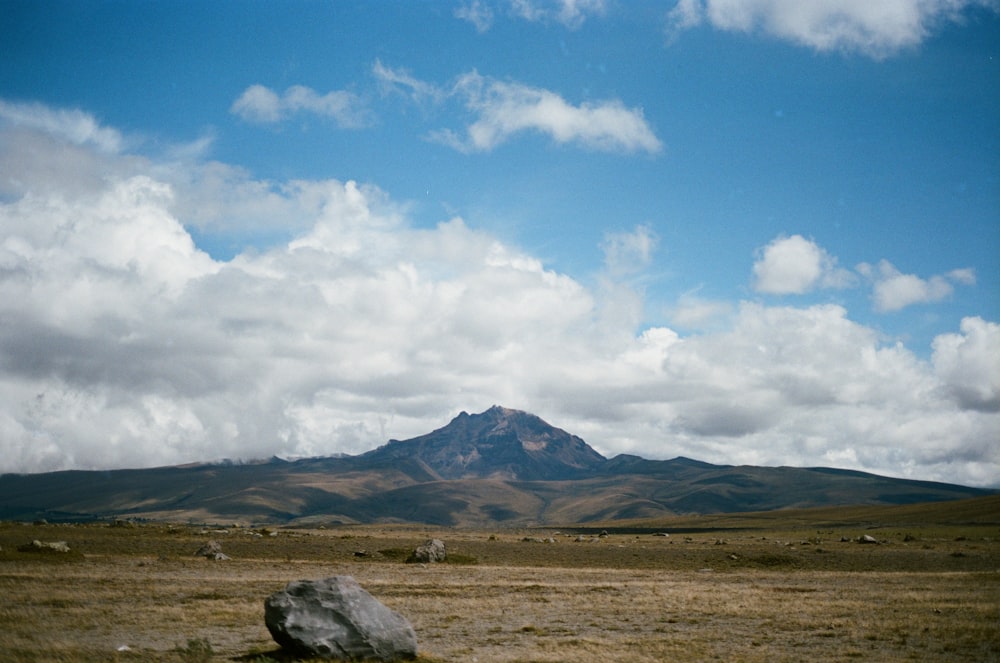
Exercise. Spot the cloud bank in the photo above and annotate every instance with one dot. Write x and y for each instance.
(876, 29)
(125, 345)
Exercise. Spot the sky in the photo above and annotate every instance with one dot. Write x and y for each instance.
(743, 231)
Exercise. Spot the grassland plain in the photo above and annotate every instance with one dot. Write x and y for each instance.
(744, 588)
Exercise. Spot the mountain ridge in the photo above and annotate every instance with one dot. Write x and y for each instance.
(499, 467)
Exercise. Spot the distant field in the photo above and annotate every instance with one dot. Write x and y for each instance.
(770, 587)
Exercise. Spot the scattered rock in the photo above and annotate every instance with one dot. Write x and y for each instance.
(866, 538)
(212, 550)
(44, 547)
(335, 618)
(432, 551)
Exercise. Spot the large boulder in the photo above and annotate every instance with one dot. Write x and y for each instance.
(335, 618)
(432, 551)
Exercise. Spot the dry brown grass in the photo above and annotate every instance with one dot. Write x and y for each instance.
(928, 593)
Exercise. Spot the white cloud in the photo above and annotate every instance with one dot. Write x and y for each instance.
(476, 12)
(77, 127)
(876, 29)
(504, 109)
(693, 312)
(404, 83)
(969, 364)
(796, 265)
(571, 13)
(892, 290)
(628, 252)
(123, 345)
(261, 104)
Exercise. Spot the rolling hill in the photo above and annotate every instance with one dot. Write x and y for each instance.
(498, 467)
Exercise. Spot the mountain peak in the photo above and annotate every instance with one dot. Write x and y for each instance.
(501, 443)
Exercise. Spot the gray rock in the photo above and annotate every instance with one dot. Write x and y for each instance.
(335, 618)
(211, 550)
(44, 546)
(432, 551)
(865, 538)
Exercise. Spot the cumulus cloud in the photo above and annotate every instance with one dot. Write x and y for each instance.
(124, 345)
(796, 265)
(260, 104)
(876, 29)
(892, 290)
(503, 109)
(968, 364)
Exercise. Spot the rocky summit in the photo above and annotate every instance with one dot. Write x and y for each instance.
(499, 443)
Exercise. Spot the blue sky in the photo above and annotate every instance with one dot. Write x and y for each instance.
(761, 232)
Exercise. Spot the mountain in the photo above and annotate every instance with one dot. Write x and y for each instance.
(499, 467)
(500, 443)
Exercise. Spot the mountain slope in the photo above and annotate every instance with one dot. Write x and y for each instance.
(499, 467)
